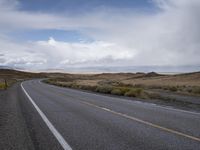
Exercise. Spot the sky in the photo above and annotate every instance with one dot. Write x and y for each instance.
(63, 34)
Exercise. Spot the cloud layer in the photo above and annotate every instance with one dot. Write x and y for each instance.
(168, 36)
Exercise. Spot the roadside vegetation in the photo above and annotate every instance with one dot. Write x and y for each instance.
(140, 85)
(106, 89)
(129, 91)
(4, 84)
(8, 77)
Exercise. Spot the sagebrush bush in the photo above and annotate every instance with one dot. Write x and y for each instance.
(88, 87)
(189, 90)
(173, 88)
(134, 92)
(116, 91)
(104, 89)
(75, 86)
(124, 89)
(153, 95)
(196, 90)
(2, 86)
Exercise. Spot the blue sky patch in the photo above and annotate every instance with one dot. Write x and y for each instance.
(81, 6)
(43, 35)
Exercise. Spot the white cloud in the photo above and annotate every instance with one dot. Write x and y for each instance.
(56, 54)
(62, 54)
(170, 36)
(19, 55)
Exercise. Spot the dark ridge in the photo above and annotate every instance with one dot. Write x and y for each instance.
(151, 74)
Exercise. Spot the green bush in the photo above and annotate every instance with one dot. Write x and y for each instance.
(165, 88)
(124, 89)
(88, 87)
(153, 95)
(75, 86)
(104, 89)
(134, 92)
(116, 91)
(196, 90)
(173, 88)
(2, 85)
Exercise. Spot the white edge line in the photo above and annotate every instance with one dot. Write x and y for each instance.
(58, 136)
(144, 122)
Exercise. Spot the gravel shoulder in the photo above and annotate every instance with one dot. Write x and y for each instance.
(13, 130)
(21, 127)
(180, 97)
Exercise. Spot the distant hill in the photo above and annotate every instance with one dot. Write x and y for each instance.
(150, 78)
(15, 74)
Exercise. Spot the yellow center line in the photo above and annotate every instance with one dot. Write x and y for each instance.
(141, 121)
(144, 122)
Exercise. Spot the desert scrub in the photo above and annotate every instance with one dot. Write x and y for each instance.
(153, 95)
(173, 88)
(196, 90)
(108, 82)
(168, 88)
(124, 89)
(48, 81)
(2, 85)
(88, 87)
(189, 89)
(120, 90)
(134, 92)
(74, 86)
(116, 91)
(104, 89)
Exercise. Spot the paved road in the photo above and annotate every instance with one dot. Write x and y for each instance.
(60, 118)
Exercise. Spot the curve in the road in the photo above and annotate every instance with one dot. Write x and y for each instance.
(57, 135)
(86, 119)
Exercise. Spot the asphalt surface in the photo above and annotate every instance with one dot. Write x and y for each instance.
(89, 121)
(13, 131)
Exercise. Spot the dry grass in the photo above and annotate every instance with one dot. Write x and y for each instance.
(2, 85)
(131, 84)
(192, 79)
(116, 91)
(13, 76)
(134, 92)
(5, 84)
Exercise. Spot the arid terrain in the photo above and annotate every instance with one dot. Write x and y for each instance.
(138, 102)
(188, 83)
(8, 77)
(141, 85)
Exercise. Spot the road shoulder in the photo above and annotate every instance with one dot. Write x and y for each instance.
(13, 130)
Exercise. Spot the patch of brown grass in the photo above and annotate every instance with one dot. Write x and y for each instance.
(2, 85)
(131, 84)
(134, 92)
